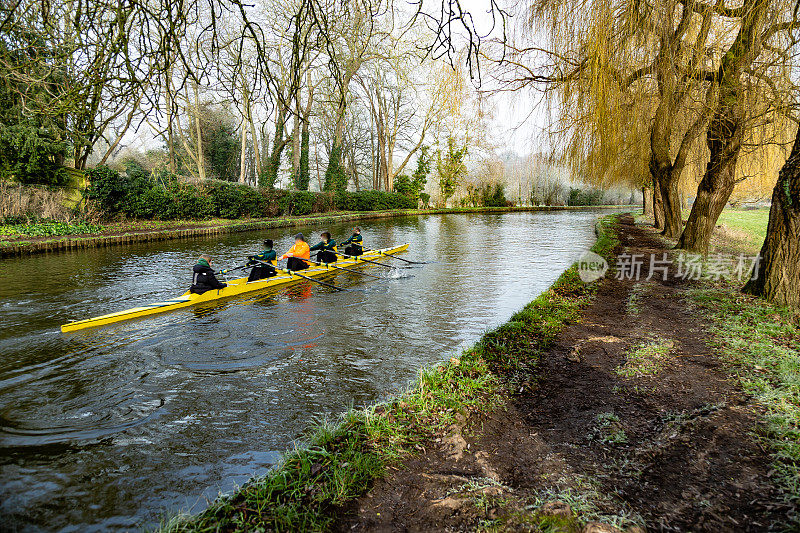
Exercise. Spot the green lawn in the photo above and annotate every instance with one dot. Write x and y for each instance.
(751, 221)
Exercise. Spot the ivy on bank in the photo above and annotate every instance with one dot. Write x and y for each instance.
(159, 195)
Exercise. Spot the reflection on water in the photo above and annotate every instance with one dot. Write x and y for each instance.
(109, 427)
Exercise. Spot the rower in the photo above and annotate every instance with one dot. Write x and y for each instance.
(327, 249)
(297, 253)
(356, 243)
(264, 263)
(204, 278)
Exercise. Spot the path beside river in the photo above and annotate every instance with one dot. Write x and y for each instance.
(633, 418)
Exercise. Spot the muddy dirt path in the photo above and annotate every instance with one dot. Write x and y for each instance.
(666, 441)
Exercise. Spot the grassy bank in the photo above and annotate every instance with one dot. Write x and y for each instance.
(24, 239)
(742, 230)
(760, 344)
(340, 461)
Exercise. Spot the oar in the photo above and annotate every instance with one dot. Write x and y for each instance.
(359, 258)
(331, 265)
(385, 254)
(225, 271)
(309, 278)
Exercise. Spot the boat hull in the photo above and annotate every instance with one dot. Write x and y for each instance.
(235, 287)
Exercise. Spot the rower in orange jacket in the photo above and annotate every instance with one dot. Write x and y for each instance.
(297, 253)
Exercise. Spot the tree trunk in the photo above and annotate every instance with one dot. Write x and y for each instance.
(658, 207)
(716, 187)
(779, 270)
(647, 202)
(671, 200)
(243, 154)
(201, 167)
(270, 176)
(305, 176)
(296, 148)
(253, 133)
(173, 167)
(726, 130)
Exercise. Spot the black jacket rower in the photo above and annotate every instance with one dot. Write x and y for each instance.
(204, 278)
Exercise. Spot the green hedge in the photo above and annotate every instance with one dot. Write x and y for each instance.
(372, 201)
(579, 197)
(138, 194)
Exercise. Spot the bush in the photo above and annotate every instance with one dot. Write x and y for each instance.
(372, 201)
(584, 197)
(32, 155)
(495, 196)
(297, 203)
(161, 195)
(113, 191)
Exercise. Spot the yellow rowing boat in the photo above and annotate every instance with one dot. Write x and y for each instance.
(235, 287)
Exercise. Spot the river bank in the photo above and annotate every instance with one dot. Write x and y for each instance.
(312, 485)
(626, 404)
(669, 405)
(143, 231)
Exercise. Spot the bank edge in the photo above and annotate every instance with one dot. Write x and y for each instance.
(311, 485)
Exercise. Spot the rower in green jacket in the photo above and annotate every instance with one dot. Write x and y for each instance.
(356, 243)
(267, 268)
(326, 249)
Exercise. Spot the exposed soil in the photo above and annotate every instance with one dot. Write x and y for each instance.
(688, 459)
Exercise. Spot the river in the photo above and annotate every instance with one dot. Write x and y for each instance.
(116, 427)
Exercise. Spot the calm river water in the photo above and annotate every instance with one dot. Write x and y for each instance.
(113, 427)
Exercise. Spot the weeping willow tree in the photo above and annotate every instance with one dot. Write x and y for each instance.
(752, 81)
(779, 269)
(627, 110)
(623, 75)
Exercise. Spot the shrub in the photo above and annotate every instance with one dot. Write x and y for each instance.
(495, 196)
(30, 154)
(113, 191)
(226, 199)
(343, 201)
(297, 203)
(161, 195)
(584, 197)
(372, 201)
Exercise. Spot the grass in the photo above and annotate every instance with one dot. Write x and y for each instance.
(760, 343)
(646, 359)
(587, 499)
(638, 292)
(608, 429)
(753, 222)
(49, 228)
(306, 490)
